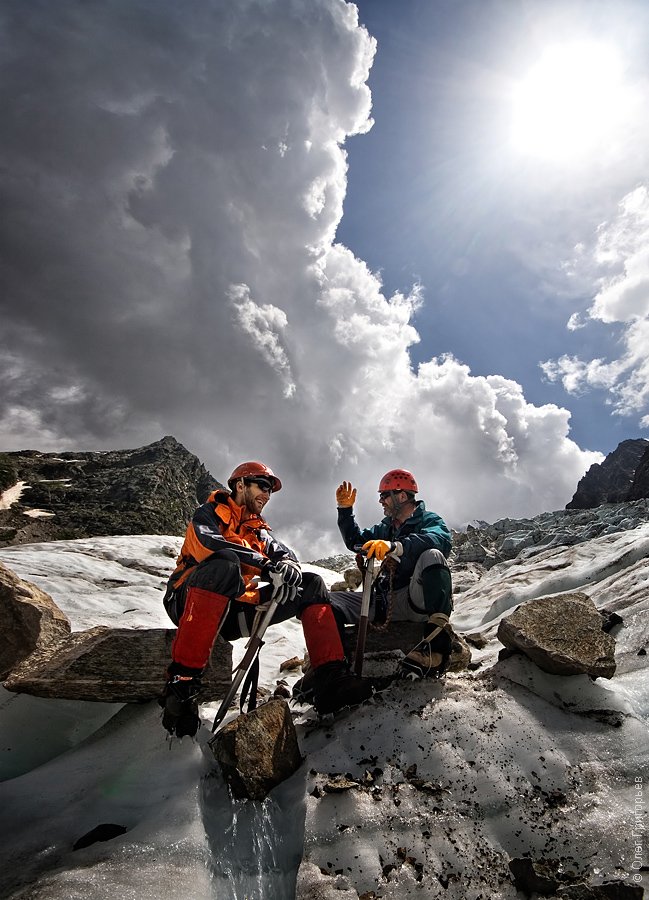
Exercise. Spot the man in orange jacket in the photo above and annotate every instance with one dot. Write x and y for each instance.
(228, 548)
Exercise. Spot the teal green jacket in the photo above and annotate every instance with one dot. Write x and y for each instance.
(424, 530)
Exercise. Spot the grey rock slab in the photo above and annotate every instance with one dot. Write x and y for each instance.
(116, 665)
(562, 634)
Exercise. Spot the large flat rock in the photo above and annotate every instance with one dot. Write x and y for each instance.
(117, 665)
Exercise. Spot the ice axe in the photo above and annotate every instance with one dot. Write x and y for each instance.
(254, 645)
(368, 578)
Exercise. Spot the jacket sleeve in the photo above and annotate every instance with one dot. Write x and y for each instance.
(276, 550)
(204, 537)
(352, 535)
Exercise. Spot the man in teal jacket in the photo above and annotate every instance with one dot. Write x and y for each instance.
(414, 582)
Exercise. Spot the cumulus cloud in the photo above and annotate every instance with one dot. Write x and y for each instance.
(263, 325)
(172, 177)
(620, 256)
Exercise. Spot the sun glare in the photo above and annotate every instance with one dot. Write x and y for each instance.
(570, 102)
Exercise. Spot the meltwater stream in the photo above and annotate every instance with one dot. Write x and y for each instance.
(256, 846)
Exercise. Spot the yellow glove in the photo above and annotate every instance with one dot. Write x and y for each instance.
(345, 495)
(380, 549)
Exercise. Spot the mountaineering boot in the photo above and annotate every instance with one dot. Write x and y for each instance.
(335, 687)
(304, 687)
(180, 705)
(429, 659)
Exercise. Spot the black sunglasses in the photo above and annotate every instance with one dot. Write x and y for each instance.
(383, 495)
(263, 483)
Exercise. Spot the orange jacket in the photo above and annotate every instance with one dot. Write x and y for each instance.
(221, 524)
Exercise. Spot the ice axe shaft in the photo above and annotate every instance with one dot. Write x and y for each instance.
(254, 645)
(368, 577)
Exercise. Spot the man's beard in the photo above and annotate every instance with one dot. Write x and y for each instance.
(250, 504)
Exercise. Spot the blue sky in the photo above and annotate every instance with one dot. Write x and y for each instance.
(436, 193)
(299, 231)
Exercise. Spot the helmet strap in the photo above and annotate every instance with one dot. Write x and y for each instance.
(400, 506)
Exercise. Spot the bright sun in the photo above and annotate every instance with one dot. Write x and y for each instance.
(570, 102)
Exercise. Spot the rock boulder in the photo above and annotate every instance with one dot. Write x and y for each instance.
(40, 655)
(562, 634)
(258, 750)
(30, 621)
(114, 665)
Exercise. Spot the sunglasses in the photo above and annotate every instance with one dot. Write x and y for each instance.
(262, 483)
(383, 495)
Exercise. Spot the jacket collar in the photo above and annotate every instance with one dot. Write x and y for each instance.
(238, 514)
(417, 515)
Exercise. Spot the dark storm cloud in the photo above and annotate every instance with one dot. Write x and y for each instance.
(171, 179)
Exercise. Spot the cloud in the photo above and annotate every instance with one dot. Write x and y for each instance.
(620, 258)
(263, 324)
(172, 177)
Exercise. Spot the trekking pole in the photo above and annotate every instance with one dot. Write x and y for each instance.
(254, 645)
(368, 577)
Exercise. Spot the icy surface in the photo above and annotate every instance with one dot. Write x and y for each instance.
(509, 760)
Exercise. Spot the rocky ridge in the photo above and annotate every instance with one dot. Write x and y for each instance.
(613, 480)
(477, 550)
(64, 496)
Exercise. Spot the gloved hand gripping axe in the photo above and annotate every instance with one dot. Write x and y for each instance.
(368, 578)
(254, 645)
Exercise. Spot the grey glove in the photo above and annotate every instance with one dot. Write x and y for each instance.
(284, 593)
(284, 571)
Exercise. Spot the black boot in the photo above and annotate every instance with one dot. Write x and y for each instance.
(304, 688)
(336, 687)
(180, 704)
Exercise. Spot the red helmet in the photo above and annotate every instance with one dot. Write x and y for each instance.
(255, 470)
(398, 480)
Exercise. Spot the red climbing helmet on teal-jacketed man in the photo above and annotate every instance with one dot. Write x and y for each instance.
(398, 480)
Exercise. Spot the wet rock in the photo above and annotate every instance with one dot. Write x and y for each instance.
(291, 665)
(531, 876)
(339, 785)
(258, 750)
(30, 621)
(562, 634)
(460, 652)
(476, 639)
(104, 832)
